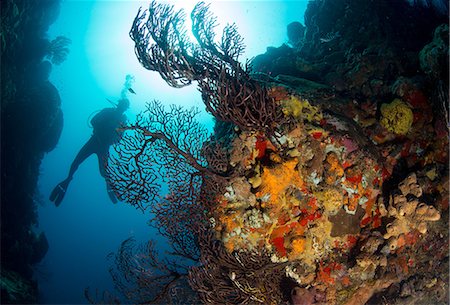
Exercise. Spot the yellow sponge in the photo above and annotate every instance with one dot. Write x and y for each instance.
(397, 117)
(301, 109)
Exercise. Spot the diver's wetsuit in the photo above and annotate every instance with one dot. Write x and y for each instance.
(92, 146)
(105, 124)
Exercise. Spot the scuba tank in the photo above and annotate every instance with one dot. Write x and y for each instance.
(89, 119)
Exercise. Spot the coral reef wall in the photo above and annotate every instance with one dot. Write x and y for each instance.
(337, 193)
(31, 126)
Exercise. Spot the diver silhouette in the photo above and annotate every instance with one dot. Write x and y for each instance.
(105, 124)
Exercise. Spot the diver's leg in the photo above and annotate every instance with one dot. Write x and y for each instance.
(102, 164)
(59, 191)
(85, 151)
(103, 155)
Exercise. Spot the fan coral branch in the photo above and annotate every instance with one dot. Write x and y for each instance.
(230, 94)
(58, 49)
(163, 145)
(143, 278)
(203, 25)
(161, 44)
(238, 278)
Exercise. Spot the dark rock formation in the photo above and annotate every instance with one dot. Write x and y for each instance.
(358, 47)
(31, 125)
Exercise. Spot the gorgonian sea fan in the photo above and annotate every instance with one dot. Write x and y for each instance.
(161, 148)
(229, 92)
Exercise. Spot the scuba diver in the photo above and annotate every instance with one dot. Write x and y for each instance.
(105, 124)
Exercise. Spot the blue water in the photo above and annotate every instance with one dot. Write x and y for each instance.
(88, 226)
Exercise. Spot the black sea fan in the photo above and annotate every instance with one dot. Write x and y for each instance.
(58, 49)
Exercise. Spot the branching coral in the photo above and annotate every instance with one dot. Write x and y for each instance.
(273, 207)
(170, 147)
(163, 27)
(189, 213)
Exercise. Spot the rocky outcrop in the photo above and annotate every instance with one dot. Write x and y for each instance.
(358, 47)
(31, 125)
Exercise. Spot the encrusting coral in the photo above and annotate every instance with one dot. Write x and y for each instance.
(409, 213)
(299, 178)
(306, 197)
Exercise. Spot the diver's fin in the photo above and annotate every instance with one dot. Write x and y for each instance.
(58, 192)
(112, 196)
(111, 193)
